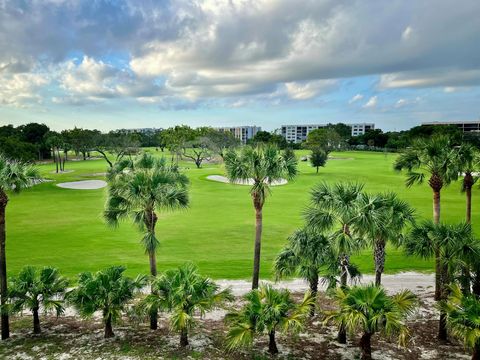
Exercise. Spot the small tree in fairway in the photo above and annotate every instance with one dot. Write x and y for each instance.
(318, 158)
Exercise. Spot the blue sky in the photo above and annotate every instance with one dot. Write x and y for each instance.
(130, 64)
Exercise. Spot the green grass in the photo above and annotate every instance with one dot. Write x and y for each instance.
(47, 225)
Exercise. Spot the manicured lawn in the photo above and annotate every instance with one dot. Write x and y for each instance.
(47, 225)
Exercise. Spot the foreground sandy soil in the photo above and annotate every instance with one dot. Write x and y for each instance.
(70, 338)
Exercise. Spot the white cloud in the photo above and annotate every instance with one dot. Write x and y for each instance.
(371, 103)
(355, 98)
(407, 33)
(21, 89)
(305, 91)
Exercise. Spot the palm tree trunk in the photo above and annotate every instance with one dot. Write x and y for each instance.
(344, 261)
(183, 337)
(438, 267)
(272, 344)
(108, 328)
(476, 352)
(258, 242)
(442, 325)
(36, 322)
(468, 193)
(3, 266)
(366, 346)
(314, 291)
(379, 257)
(150, 222)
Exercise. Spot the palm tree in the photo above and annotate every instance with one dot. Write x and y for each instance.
(263, 164)
(307, 253)
(451, 244)
(384, 220)
(267, 310)
(139, 189)
(435, 157)
(370, 310)
(184, 292)
(467, 161)
(15, 177)
(463, 318)
(33, 289)
(108, 291)
(337, 209)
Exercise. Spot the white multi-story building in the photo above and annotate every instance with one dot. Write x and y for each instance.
(465, 126)
(242, 133)
(299, 133)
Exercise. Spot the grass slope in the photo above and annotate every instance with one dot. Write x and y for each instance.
(47, 225)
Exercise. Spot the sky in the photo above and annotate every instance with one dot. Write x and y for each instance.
(131, 64)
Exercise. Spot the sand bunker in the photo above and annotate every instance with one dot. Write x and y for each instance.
(223, 179)
(83, 185)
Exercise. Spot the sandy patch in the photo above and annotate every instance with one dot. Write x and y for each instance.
(96, 174)
(223, 179)
(83, 185)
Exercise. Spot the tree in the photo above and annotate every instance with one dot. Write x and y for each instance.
(222, 141)
(435, 157)
(263, 164)
(386, 217)
(324, 138)
(184, 292)
(15, 177)
(176, 137)
(450, 244)
(318, 158)
(33, 289)
(463, 318)
(198, 150)
(306, 254)
(336, 209)
(467, 161)
(267, 310)
(139, 189)
(370, 310)
(108, 291)
(119, 143)
(55, 142)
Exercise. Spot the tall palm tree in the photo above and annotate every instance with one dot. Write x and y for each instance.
(184, 292)
(266, 311)
(14, 176)
(467, 160)
(336, 208)
(463, 318)
(108, 291)
(384, 220)
(264, 165)
(451, 245)
(139, 189)
(370, 310)
(434, 157)
(307, 253)
(34, 288)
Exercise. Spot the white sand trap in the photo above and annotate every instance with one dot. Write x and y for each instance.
(223, 179)
(83, 185)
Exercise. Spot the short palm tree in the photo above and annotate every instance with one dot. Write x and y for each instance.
(463, 318)
(453, 245)
(307, 254)
(263, 164)
(385, 218)
(370, 310)
(467, 161)
(140, 189)
(34, 289)
(336, 208)
(108, 291)
(267, 311)
(434, 157)
(184, 293)
(15, 177)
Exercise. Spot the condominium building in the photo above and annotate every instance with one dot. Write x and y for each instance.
(465, 126)
(242, 133)
(299, 133)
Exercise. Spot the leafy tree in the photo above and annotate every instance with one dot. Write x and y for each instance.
(221, 142)
(118, 143)
(263, 164)
(198, 150)
(15, 177)
(463, 318)
(435, 158)
(318, 158)
(307, 253)
(33, 289)
(55, 142)
(184, 292)
(108, 291)
(34, 134)
(370, 310)
(451, 245)
(467, 161)
(176, 137)
(267, 310)
(138, 190)
(324, 138)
